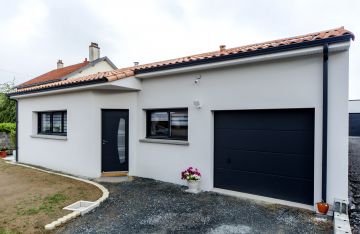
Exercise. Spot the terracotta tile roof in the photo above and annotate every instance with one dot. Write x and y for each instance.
(130, 71)
(54, 75)
(248, 48)
(109, 76)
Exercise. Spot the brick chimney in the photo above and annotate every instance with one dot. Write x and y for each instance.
(94, 51)
(222, 48)
(60, 64)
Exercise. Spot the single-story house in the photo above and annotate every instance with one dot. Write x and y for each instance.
(354, 118)
(268, 120)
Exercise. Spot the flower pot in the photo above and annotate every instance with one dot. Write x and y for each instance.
(3, 154)
(194, 186)
(322, 207)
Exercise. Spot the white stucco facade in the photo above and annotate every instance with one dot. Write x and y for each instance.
(283, 83)
(101, 66)
(354, 106)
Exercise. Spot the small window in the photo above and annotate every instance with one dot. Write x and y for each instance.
(52, 123)
(167, 124)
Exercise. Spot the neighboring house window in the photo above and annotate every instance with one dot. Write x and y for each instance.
(52, 123)
(167, 124)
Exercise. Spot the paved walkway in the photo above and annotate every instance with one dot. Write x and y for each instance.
(148, 206)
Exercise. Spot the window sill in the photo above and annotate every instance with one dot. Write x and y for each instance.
(54, 137)
(164, 141)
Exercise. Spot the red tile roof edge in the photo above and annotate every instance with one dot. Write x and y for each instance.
(53, 75)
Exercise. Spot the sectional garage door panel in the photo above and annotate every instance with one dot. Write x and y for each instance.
(249, 119)
(267, 140)
(299, 166)
(354, 124)
(266, 152)
(266, 185)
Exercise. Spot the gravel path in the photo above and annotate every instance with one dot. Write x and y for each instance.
(149, 206)
(354, 183)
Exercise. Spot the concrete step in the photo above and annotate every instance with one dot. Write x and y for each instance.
(113, 179)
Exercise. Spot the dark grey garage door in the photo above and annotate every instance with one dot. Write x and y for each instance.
(354, 124)
(266, 152)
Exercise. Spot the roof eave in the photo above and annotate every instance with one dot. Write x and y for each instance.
(72, 85)
(258, 52)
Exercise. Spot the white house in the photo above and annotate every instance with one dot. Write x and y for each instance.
(268, 120)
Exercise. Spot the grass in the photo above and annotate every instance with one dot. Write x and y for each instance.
(8, 231)
(30, 199)
(48, 205)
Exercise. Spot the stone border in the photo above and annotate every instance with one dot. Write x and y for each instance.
(341, 223)
(73, 214)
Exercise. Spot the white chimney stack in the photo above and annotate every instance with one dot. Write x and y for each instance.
(60, 64)
(94, 51)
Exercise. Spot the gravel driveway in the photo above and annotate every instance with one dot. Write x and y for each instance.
(149, 206)
(354, 183)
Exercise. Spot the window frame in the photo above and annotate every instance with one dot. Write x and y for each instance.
(168, 137)
(51, 132)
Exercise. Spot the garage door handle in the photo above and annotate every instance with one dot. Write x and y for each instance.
(228, 160)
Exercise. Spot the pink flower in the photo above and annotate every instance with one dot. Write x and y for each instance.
(190, 174)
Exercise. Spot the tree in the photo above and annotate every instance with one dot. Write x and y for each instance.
(7, 105)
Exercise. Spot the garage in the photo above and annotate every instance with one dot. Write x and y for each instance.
(265, 152)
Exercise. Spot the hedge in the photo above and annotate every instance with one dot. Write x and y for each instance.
(9, 128)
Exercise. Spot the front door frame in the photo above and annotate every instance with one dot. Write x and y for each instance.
(115, 173)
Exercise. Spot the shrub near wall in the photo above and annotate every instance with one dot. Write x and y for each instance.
(8, 135)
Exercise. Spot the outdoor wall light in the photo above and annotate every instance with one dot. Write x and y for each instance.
(197, 104)
(197, 79)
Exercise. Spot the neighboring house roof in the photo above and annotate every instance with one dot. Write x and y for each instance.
(62, 73)
(54, 75)
(312, 39)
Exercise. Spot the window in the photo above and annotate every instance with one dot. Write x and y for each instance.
(52, 123)
(167, 124)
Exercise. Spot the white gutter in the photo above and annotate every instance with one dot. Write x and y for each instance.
(260, 58)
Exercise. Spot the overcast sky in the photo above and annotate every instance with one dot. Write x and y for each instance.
(35, 33)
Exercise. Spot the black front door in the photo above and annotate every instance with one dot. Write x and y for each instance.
(115, 140)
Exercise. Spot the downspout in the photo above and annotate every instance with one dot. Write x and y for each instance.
(325, 121)
(17, 131)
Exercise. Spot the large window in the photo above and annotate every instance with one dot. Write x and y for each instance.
(167, 124)
(52, 123)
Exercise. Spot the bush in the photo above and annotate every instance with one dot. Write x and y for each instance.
(9, 128)
(7, 105)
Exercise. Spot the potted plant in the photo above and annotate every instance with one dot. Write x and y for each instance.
(322, 207)
(3, 152)
(192, 177)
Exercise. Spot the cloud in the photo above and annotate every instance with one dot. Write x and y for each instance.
(37, 33)
(25, 24)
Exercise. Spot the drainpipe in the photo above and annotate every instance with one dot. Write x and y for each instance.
(325, 121)
(17, 131)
